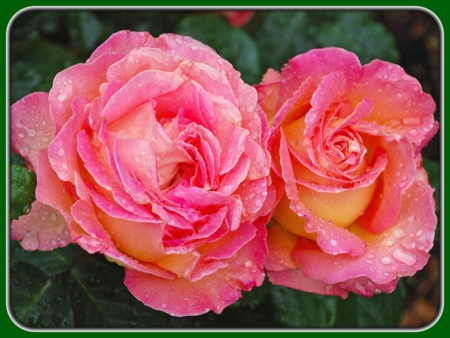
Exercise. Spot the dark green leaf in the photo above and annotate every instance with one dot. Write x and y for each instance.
(46, 23)
(300, 309)
(23, 187)
(100, 298)
(51, 262)
(37, 302)
(255, 297)
(233, 44)
(356, 32)
(16, 159)
(433, 170)
(294, 308)
(281, 36)
(383, 310)
(85, 30)
(34, 64)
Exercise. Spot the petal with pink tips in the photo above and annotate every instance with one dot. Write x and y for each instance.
(180, 297)
(294, 278)
(212, 292)
(145, 86)
(78, 80)
(316, 64)
(400, 104)
(399, 251)
(32, 127)
(121, 42)
(43, 228)
(346, 242)
(393, 181)
(140, 59)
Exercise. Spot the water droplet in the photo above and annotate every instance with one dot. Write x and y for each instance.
(53, 242)
(61, 152)
(412, 121)
(403, 256)
(137, 158)
(250, 108)
(399, 233)
(386, 260)
(413, 132)
(248, 264)
(62, 97)
(59, 229)
(419, 233)
(45, 139)
(164, 305)
(64, 165)
(153, 138)
(21, 134)
(333, 242)
(389, 243)
(194, 47)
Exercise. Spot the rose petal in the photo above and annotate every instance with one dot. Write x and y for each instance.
(121, 42)
(78, 80)
(295, 279)
(213, 292)
(43, 228)
(399, 251)
(316, 64)
(32, 127)
(399, 101)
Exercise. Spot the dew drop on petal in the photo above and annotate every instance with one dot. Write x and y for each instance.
(386, 260)
(248, 264)
(21, 134)
(61, 152)
(419, 233)
(53, 217)
(59, 229)
(403, 256)
(53, 242)
(399, 233)
(333, 242)
(62, 97)
(62, 242)
(389, 243)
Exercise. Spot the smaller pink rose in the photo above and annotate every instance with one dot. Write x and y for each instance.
(355, 210)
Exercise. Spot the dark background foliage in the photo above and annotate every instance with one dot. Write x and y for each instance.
(69, 288)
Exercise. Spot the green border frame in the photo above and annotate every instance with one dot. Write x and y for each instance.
(10, 10)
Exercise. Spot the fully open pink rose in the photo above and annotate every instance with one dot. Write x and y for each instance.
(153, 153)
(355, 210)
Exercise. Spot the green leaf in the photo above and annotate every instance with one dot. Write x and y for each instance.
(433, 171)
(281, 36)
(358, 33)
(51, 262)
(85, 30)
(17, 159)
(383, 310)
(100, 298)
(254, 297)
(34, 64)
(23, 187)
(300, 309)
(295, 308)
(233, 44)
(36, 301)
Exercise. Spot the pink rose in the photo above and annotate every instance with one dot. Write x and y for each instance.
(355, 211)
(154, 154)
